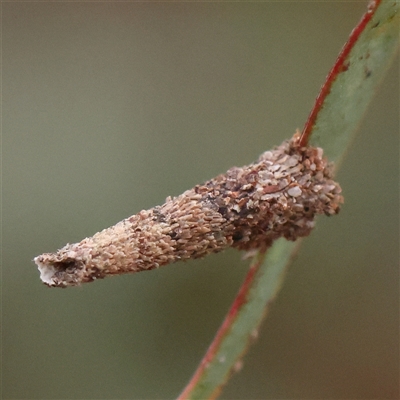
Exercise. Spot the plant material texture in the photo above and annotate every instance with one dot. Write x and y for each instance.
(246, 208)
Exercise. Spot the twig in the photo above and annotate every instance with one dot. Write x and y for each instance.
(341, 64)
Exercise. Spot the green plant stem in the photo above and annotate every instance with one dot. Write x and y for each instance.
(248, 309)
(332, 124)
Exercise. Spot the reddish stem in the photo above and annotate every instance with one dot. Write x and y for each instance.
(239, 302)
(340, 65)
(241, 299)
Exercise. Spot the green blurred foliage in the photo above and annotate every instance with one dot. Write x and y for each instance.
(110, 107)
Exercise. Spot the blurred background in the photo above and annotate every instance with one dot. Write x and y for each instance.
(110, 107)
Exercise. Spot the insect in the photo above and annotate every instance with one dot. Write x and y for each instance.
(247, 208)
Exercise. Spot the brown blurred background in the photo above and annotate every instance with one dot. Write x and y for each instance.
(110, 107)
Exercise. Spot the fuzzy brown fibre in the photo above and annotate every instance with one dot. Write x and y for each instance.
(247, 208)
